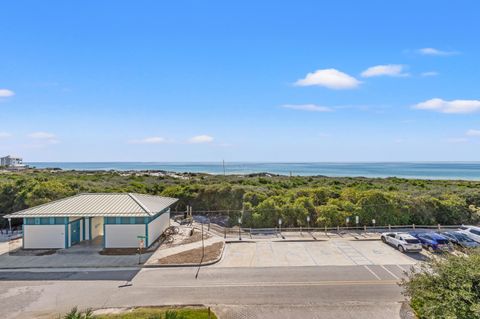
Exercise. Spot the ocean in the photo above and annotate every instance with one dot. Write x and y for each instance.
(421, 170)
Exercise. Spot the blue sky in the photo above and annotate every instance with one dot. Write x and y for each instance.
(240, 80)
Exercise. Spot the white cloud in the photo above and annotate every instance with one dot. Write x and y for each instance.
(41, 135)
(429, 73)
(150, 140)
(450, 107)
(437, 52)
(307, 107)
(201, 139)
(6, 93)
(43, 138)
(473, 133)
(5, 135)
(385, 70)
(329, 78)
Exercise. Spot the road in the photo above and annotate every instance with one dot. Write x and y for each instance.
(358, 291)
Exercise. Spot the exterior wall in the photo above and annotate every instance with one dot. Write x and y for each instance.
(97, 227)
(157, 226)
(123, 236)
(43, 236)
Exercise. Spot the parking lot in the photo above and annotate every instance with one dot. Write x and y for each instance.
(333, 252)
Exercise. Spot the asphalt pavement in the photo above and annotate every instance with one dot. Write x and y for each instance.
(358, 291)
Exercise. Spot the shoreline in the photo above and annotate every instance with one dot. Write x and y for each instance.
(189, 174)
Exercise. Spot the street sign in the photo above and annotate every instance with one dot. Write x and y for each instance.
(141, 237)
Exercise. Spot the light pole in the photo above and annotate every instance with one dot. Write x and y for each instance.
(308, 222)
(239, 228)
(280, 225)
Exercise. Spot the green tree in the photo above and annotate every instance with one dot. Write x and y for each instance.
(446, 288)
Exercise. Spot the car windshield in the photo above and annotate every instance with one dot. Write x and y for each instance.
(412, 241)
(462, 237)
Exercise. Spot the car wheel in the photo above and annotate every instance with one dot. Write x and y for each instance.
(401, 249)
(430, 249)
(383, 239)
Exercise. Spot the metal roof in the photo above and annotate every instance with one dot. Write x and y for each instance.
(99, 204)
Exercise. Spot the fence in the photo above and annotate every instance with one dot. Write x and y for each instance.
(237, 231)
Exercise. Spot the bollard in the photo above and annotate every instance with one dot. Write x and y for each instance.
(389, 227)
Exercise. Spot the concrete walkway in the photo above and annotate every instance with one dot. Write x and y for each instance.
(164, 252)
(77, 256)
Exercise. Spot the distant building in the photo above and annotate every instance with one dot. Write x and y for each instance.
(12, 162)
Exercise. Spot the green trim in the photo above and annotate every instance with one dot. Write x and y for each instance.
(146, 235)
(83, 228)
(104, 233)
(90, 228)
(23, 234)
(66, 235)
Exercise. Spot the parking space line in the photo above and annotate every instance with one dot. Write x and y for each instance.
(401, 268)
(391, 273)
(372, 272)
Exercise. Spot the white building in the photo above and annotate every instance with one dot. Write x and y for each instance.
(12, 162)
(123, 220)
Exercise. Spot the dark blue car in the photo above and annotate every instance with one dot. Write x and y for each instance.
(433, 242)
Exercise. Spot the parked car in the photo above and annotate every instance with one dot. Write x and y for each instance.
(472, 232)
(403, 241)
(460, 239)
(434, 242)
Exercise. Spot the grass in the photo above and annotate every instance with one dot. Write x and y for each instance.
(159, 312)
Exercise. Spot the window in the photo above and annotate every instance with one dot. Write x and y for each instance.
(29, 221)
(110, 220)
(124, 220)
(412, 241)
(474, 231)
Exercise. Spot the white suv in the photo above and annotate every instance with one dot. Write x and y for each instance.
(472, 232)
(403, 241)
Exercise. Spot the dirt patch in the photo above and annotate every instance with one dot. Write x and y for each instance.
(33, 252)
(124, 251)
(194, 256)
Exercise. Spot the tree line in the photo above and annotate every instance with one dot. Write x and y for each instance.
(265, 198)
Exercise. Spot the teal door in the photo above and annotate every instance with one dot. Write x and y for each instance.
(75, 232)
